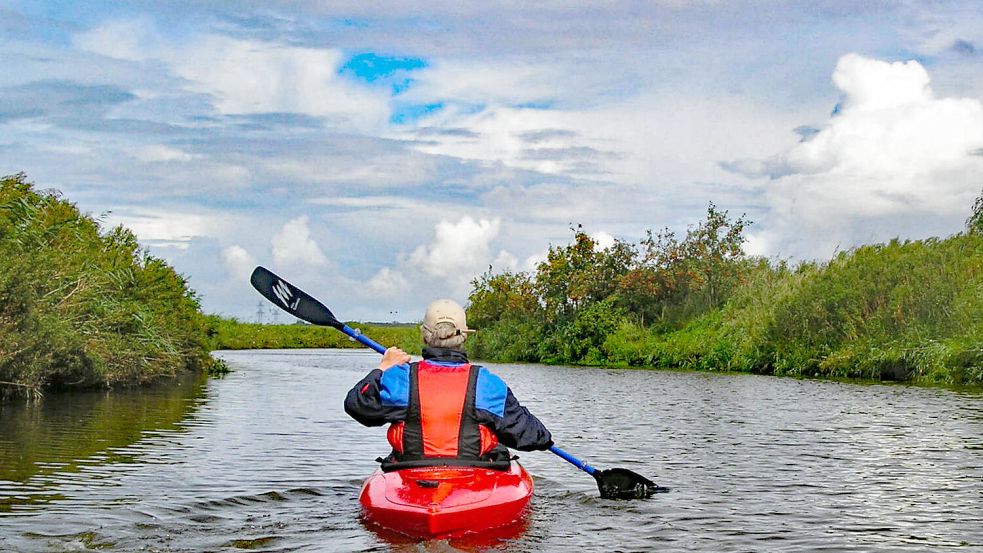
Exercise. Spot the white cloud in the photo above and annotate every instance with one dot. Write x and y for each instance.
(756, 244)
(458, 252)
(603, 239)
(163, 153)
(165, 227)
(486, 82)
(504, 261)
(127, 39)
(893, 155)
(293, 245)
(239, 263)
(248, 76)
(627, 113)
(387, 283)
(258, 77)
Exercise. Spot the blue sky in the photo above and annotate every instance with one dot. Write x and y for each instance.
(381, 155)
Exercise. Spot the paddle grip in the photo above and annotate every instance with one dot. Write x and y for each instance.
(574, 461)
(358, 336)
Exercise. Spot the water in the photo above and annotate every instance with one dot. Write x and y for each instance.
(266, 460)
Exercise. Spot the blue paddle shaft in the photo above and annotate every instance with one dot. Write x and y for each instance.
(574, 461)
(357, 335)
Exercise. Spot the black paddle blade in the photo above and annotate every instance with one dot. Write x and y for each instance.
(291, 299)
(625, 484)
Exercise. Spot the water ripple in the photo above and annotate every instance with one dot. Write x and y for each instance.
(265, 459)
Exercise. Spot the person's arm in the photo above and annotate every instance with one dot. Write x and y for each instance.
(497, 408)
(520, 429)
(383, 394)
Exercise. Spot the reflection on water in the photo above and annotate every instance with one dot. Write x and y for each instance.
(266, 460)
(44, 443)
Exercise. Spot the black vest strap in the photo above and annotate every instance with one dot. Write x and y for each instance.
(469, 437)
(413, 429)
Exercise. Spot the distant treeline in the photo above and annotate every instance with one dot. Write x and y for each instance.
(82, 307)
(232, 334)
(907, 310)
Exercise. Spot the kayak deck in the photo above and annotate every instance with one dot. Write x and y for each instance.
(442, 502)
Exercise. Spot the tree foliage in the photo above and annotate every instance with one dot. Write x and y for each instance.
(581, 292)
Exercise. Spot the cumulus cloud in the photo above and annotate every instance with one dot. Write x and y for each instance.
(387, 283)
(238, 262)
(458, 251)
(293, 244)
(892, 160)
(603, 239)
(456, 246)
(257, 77)
(505, 261)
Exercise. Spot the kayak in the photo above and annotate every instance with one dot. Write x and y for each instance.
(446, 502)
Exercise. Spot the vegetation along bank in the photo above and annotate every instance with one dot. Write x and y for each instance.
(83, 307)
(906, 310)
(233, 334)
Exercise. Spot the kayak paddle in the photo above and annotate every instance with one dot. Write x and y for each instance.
(300, 304)
(616, 483)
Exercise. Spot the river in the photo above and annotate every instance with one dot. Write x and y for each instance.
(265, 459)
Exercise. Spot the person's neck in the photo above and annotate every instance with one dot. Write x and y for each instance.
(453, 355)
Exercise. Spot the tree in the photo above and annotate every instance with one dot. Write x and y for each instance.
(581, 273)
(507, 315)
(706, 260)
(497, 297)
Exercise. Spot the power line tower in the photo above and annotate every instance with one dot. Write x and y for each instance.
(259, 312)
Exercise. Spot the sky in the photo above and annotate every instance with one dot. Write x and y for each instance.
(382, 155)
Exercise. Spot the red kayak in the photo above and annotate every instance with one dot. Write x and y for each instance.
(446, 502)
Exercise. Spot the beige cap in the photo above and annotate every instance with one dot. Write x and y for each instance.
(444, 324)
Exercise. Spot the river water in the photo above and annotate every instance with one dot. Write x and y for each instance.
(265, 459)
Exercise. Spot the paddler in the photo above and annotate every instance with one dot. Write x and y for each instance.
(443, 410)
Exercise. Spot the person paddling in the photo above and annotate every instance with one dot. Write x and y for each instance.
(443, 410)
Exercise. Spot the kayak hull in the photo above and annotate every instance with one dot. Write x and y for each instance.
(443, 502)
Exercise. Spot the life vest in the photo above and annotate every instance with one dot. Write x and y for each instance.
(440, 426)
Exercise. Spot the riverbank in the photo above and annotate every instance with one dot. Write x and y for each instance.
(904, 311)
(231, 334)
(82, 306)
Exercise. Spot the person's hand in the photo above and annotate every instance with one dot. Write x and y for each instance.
(393, 356)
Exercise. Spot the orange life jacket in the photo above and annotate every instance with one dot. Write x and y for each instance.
(440, 423)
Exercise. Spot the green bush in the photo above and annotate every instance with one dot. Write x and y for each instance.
(898, 311)
(81, 307)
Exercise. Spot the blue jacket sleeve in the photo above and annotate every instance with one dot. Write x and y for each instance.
(515, 426)
(380, 397)
(520, 429)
